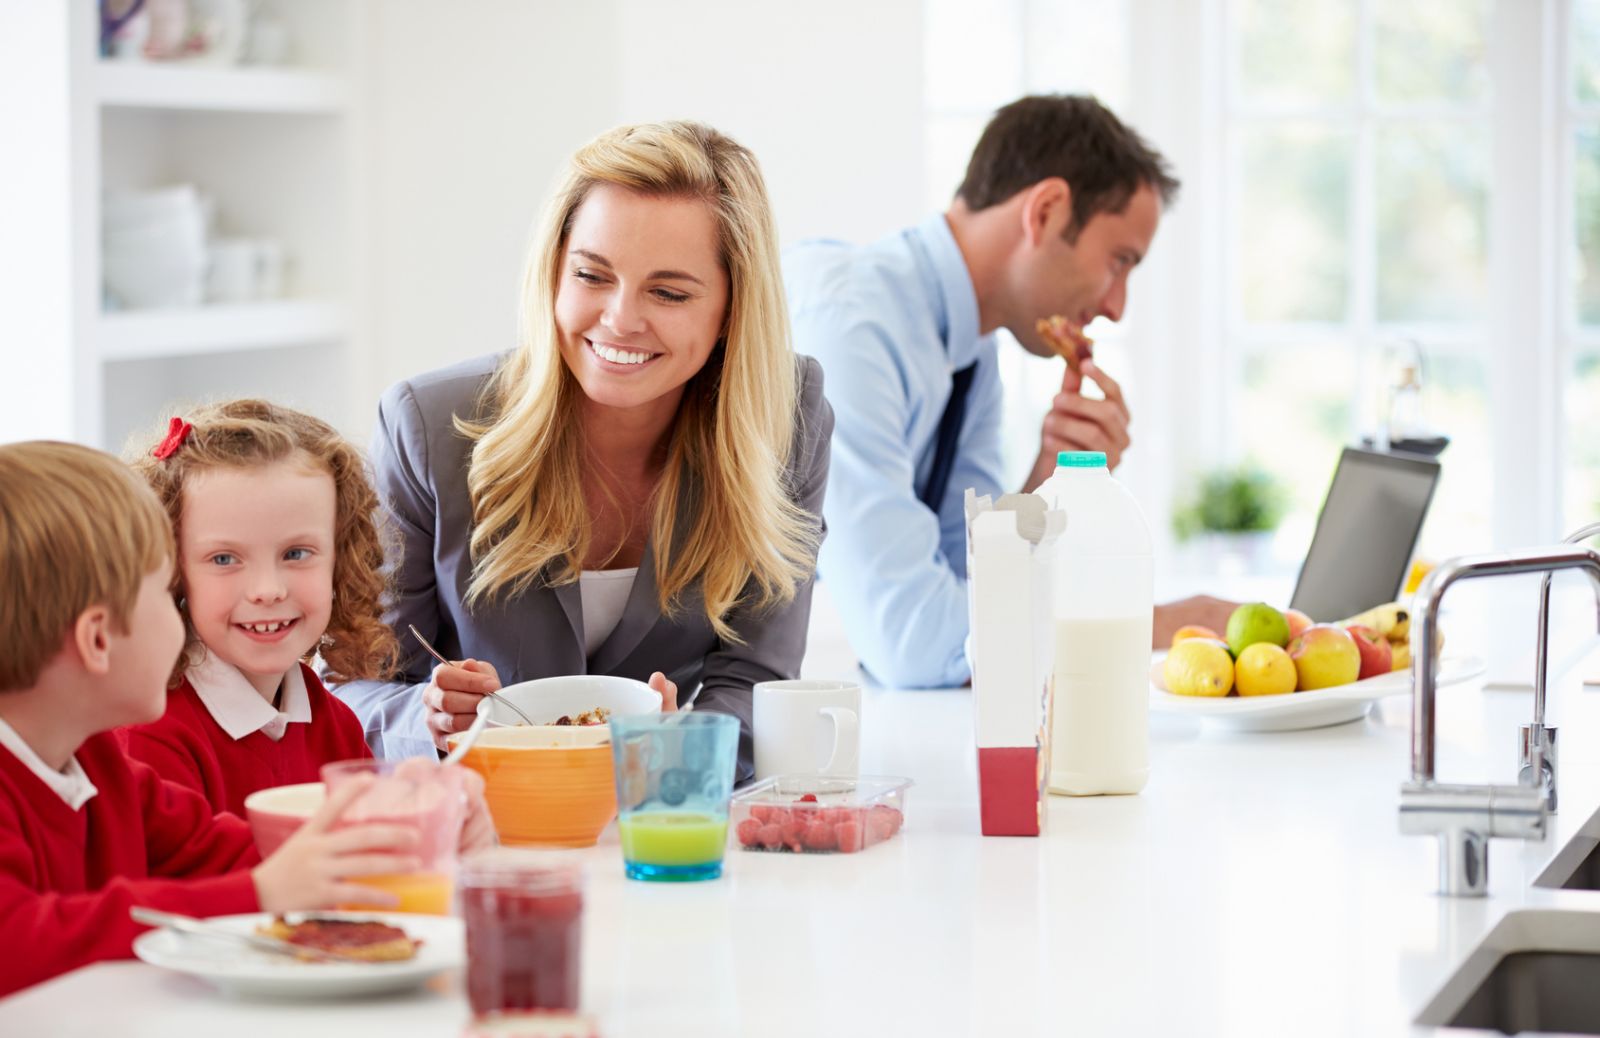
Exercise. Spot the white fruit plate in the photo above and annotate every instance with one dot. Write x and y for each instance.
(1296, 710)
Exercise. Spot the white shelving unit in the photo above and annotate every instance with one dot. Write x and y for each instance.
(146, 334)
(179, 88)
(274, 148)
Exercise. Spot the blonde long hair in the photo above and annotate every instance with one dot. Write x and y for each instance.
(722, 513)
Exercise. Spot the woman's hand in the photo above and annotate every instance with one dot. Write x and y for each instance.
(451, 697)
(668, 691)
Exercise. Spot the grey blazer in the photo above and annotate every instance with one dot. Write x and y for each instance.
(420, 464)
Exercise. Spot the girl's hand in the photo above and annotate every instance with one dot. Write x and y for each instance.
(314, 867)
(451, 697)
(668, 691)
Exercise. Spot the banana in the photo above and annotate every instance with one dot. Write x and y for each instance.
(1392, 621)
(1402, 657)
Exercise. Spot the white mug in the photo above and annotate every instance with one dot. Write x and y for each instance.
(807, 728)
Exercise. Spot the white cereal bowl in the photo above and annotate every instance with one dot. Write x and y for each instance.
(547, 699)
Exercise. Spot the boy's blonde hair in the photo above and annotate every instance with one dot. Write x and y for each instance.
(724, 520)
(77, 529)
(245, 434)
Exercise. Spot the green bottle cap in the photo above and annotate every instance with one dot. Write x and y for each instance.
(1081, 459)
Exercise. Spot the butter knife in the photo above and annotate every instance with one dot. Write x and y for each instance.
(200, 928)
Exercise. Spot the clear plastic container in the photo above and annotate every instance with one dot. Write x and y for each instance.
(805, 814)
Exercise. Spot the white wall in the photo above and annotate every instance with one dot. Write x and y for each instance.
(828, 94)
(470, 109)
(469, 117)
(37, 391)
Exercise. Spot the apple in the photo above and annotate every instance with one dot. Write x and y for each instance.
(1298, 622)
(1325, 656)
(1377, 655)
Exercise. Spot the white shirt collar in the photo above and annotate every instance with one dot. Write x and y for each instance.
(71, 783)
(239, 709)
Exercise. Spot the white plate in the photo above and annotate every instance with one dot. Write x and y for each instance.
(238, 970)
(1296, 710)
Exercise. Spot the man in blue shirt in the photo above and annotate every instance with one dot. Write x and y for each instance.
(1059, 204)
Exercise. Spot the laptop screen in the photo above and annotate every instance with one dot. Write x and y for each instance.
(1366, 533)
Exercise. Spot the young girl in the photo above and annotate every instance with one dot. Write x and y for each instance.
(279, 557)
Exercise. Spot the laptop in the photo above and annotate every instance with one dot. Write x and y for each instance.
(1366, 533)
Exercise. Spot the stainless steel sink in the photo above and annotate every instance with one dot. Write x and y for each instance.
(1536, 972)
(1585, 875)
(1576, 866)
(1538, 992)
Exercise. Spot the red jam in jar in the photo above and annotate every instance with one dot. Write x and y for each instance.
(524, 919)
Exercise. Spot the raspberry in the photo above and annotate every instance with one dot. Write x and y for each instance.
(749, 832)
(809, 798)
(848, 836)
(771, 836)
(794, 833)
(879, 826)
(819, 837)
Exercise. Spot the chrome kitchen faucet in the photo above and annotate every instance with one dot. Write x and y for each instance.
(1529, 734)
(1466, 817)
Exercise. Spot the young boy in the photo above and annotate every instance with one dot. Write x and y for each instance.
(88, 636)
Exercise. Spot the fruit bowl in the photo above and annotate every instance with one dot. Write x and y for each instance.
(1296, 710)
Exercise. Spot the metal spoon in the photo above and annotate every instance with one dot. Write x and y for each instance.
(509, 705)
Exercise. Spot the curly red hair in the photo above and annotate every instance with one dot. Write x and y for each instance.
(250, 433)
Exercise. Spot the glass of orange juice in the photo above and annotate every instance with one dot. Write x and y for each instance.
(415, 793)
(674, 778)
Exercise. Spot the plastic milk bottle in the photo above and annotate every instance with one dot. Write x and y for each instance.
(1104, 595)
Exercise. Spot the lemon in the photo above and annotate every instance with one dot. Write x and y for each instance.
(1263, 669)
(1198, 667)
(1256, 622)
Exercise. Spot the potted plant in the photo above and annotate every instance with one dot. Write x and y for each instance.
(1235, 511)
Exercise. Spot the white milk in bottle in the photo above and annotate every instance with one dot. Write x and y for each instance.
(1104, 595)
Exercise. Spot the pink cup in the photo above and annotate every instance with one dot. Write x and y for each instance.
(418, 794)
(276, 813)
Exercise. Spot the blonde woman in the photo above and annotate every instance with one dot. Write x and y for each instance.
(637, 488)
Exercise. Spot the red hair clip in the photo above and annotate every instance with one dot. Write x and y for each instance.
(178, 430)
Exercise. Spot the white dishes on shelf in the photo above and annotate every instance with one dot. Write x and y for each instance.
(239, 970)
(1296, 710)
(154, 247)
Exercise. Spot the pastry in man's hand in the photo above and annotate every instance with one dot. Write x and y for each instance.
(1066, 339)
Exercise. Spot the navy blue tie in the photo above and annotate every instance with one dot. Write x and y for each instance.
(944, 452)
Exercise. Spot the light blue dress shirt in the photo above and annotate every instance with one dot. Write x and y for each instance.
(890, 323)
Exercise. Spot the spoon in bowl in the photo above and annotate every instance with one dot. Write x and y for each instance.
(509, 705)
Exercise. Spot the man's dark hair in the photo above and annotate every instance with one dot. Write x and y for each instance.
(1072, 137)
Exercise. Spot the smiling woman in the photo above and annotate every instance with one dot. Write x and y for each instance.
(636, 489)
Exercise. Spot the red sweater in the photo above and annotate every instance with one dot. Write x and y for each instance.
(188, 747)
(68, 878)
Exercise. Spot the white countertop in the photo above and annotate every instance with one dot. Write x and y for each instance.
(1258, 886)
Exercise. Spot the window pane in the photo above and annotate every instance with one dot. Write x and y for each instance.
(1586, 209)
(1293, 228)
(1079, 48)
(1455, 401)
(1430, 50)
(1585, 38)
(1295, 50)
(1432, 205)
(1582, 490)
(1292, 417)
(971, 64)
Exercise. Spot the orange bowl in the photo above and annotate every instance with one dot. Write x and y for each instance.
(539, 793)
(276, 813)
